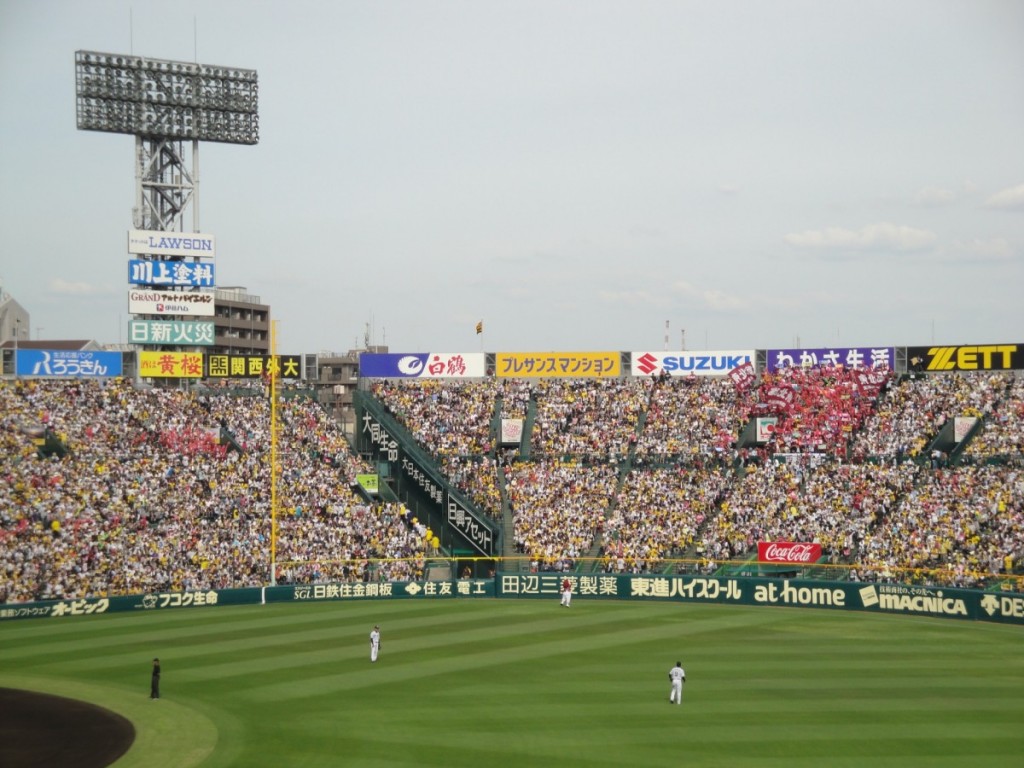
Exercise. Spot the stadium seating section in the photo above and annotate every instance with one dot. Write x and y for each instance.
(109, 489)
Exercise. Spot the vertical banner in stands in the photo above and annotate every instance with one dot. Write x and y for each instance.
(765, 427)
(848, 357)
(369, 483)
(962, 426)
(978, 357)
(472, 528)
(511, 432)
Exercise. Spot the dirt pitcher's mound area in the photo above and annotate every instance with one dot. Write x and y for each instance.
(38, 729)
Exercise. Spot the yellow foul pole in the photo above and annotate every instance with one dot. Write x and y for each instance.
(273, 453)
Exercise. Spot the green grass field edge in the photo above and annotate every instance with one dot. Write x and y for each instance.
(168, 734)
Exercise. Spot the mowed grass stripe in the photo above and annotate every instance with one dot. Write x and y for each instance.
(496, 644)
(512, 683)
(224, 656)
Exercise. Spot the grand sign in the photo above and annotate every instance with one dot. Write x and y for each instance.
(152, 302)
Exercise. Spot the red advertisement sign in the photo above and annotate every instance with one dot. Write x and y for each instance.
(788, 552)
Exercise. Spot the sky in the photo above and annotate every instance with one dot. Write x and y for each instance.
(580, 175)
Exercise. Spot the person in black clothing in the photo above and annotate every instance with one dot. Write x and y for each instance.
(154, 685)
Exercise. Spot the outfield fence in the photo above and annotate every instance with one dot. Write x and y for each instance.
(874, 597)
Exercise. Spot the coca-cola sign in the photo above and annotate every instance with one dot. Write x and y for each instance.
(788, 552)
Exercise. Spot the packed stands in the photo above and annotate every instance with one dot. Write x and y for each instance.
(145, 499)
(845, 461)
(161, 489)
(915, 408)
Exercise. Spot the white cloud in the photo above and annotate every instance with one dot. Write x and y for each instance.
(933, 197)
(996, 249)
(710, 298)
(635, 297)
(874, 237)
(67, 288)
(1008, 199)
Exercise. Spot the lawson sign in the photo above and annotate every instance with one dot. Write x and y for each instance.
(157, 243)
(423, 365)
(689, 363)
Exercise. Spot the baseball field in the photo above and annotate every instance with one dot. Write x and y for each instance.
(527, 683)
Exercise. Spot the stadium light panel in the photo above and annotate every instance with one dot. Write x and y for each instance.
(166, 99)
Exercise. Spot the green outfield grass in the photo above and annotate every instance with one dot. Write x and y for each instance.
(492, 683)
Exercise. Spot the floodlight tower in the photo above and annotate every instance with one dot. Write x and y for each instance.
(165, 104)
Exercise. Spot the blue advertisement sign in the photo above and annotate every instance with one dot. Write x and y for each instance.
(67, 363)
(185, 274)
(848, 357)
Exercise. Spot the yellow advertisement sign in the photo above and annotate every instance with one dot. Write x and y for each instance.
(558, 364)
(171, 365)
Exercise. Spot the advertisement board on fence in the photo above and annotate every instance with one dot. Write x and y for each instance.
(170, 365)
(788, 552)
(422, 365)
(67, 363)
(569, 365)
(718, 363)
(894, 599)
(976, 357)
(848, 357)
(253, 366)
(903, 599)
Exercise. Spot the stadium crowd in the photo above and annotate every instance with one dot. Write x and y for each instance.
(163, 489)
(147, 499)
(843, 462)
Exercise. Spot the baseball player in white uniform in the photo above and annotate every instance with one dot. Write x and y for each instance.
(374, 642)
(566, 592)
(678, 677)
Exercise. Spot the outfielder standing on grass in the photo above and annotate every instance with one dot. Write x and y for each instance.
(154, 680)
(566, 592)
(374, 642)
(678, 677)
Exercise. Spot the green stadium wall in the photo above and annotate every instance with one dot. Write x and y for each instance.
(906, 599)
